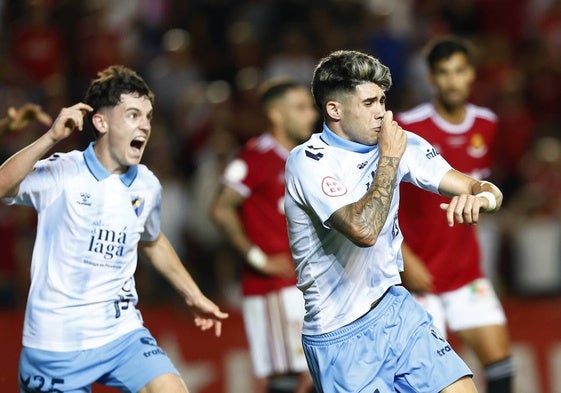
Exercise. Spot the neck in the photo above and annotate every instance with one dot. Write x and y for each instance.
(453, 114)
(284, 140)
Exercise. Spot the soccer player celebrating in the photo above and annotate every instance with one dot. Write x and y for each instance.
(363, 332)
(96, 209)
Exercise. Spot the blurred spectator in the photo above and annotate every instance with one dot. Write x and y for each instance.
(533, 221)
(173, 72)
(98, 42)
(293, 58)
(36, 43)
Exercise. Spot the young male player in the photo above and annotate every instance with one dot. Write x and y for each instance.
(97, 209)
(363, 332)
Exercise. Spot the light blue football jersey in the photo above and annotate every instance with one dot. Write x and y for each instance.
(82, 292)
(340, 280)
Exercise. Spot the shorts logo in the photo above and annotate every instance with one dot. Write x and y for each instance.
(445, 349)
(150, 341)
(332, 187)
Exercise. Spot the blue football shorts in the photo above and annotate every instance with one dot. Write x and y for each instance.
(394, 347)
(128, 364)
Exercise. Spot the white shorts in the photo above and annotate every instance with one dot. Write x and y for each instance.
(473, 305)
(273, 325)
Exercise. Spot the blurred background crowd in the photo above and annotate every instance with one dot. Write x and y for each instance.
(204, 60)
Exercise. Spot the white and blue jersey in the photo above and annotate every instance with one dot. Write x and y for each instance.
(340, 280)
(82, 292)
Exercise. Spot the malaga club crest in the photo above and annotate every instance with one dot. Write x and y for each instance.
(137, 205)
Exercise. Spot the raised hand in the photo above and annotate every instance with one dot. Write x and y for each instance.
(392, 140)
(69, 119)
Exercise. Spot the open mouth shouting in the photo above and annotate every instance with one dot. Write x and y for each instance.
(137, 145)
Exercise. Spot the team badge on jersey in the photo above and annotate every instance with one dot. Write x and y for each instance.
(137, 205)
(477, 147)
(332, 187)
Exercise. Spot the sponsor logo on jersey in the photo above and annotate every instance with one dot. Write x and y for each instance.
(362, 165)
(107, 242)
(432, 153)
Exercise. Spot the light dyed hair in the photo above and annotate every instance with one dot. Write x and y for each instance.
(341, 71)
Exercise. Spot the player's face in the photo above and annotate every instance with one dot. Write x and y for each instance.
(452, 79)
(298, 115)
(128, 131)
(360, 114)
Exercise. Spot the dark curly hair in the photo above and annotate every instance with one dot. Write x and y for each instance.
(106, 91)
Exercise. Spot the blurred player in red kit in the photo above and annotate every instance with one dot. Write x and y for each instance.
(249, 209)
(443, 264)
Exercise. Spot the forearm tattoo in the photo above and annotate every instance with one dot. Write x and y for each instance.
(367, 216)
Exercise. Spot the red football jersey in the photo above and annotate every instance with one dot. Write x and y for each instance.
(257, 173)
(452, 255)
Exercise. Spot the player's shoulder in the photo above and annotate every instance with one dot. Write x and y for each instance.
(148, 177)
(483, 113)
(262, 147)
(417, 114)
(62, 161)
(260, 144)
(415, 140)
(311, 151)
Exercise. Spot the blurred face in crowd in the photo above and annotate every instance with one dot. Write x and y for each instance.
(295, 114)
(452, 79)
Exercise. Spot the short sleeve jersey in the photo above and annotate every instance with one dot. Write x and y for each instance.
(340, 280)
(82, 292)
(257, 173)
(452, 255)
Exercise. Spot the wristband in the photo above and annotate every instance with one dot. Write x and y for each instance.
(256, 258)
(490, 199)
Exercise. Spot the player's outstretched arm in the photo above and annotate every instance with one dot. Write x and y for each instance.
(19, 118)
(469, 198)
(14, 170)
(166, 261)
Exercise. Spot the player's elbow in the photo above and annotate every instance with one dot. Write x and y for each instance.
(215, 214)
(363, 238)
(365, 243)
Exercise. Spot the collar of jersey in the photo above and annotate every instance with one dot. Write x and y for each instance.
(100, 173)
(333, 139)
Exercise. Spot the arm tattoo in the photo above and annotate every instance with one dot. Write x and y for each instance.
(365, 218)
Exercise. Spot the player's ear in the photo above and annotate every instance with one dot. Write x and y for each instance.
(275, 116)
(333, 109)
(99, 123)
